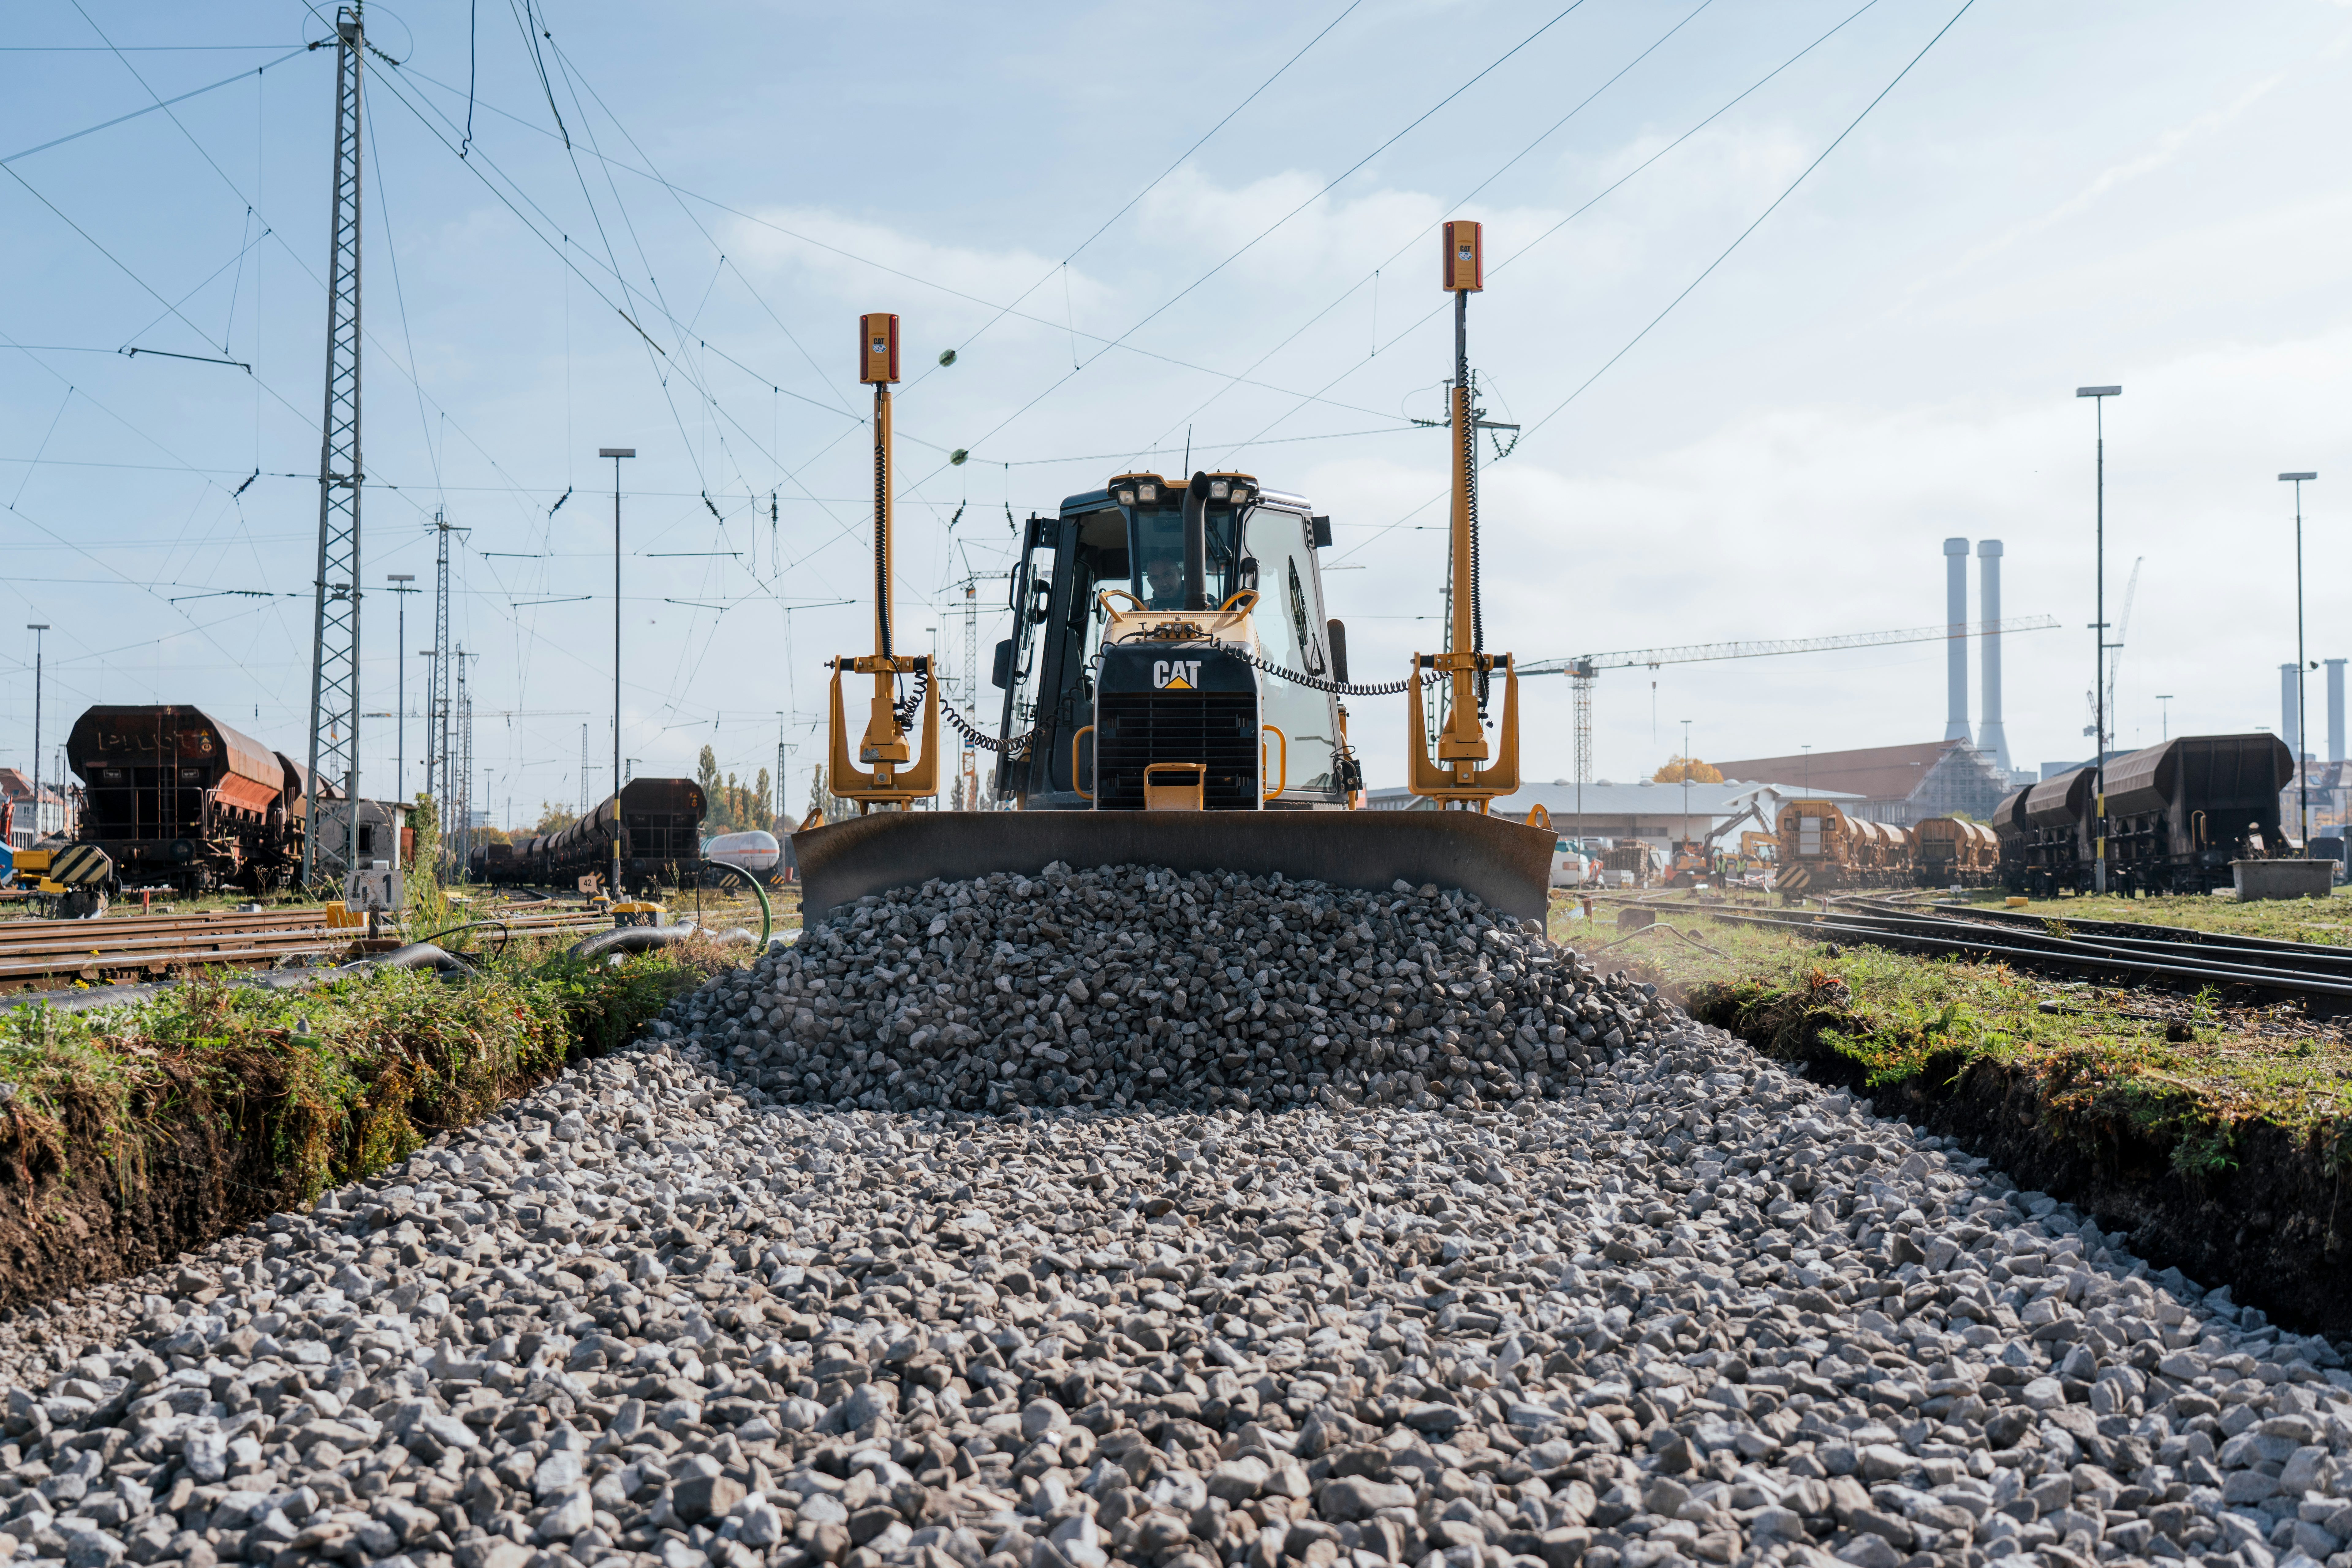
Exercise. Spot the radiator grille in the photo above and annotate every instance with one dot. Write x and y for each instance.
(1132, 730)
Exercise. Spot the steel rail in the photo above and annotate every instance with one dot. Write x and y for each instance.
(2186, 935)
(2320, 959)
(2124, 946)
(2056, 952)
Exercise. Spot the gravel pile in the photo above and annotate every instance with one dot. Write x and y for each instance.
(1695, 1311)
(1126, 987)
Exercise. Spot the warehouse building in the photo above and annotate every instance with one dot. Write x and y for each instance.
(1899, 785)
(1654, 813)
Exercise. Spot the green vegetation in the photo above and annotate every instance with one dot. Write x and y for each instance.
(300, 1090)
(2184, 1075)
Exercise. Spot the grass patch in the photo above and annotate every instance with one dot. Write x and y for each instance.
(2184, 1074)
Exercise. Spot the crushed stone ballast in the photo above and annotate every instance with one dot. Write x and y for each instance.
(1692, 1310)
(1129, 987)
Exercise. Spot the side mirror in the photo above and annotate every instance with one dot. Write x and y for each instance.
(1322, 526)
(1338, 632)
(1041, 599)
(1245, 575)
(1002, 676)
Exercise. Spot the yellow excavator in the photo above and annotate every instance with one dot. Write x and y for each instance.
(1173, 696)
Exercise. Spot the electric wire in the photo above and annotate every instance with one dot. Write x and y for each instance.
(1170, 303)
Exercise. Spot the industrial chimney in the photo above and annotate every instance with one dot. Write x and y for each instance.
(1990, 735)
(2289, 731)
(2334, 709)
(1955, 659)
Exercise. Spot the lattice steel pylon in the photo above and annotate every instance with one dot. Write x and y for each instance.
(335, 625)
(436, 700)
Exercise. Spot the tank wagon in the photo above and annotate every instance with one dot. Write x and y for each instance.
(175, 796)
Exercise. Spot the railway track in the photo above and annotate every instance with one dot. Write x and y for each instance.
(44, 954)
(2179, 958)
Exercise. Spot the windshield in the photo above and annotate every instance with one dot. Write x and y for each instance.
(1160, 555)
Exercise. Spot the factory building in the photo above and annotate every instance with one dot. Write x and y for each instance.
(1894, 784)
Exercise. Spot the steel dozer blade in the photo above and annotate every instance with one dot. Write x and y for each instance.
(1505, 864)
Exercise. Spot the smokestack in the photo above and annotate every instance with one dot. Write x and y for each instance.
(1956, 617)
(2289, 731)
(2334, 709)
(1990, 735)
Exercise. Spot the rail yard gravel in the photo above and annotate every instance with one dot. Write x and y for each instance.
(1666, 1303)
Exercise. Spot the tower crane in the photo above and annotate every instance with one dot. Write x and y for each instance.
(1581, 668)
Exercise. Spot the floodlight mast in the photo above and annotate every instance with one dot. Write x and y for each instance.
(616, 454)
(2302, 666)
(2098, 397)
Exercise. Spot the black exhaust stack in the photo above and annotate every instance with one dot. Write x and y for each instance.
(1196, 543)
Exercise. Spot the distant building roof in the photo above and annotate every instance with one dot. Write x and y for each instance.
(1874, 773)
(1603, 798)
(16, 785)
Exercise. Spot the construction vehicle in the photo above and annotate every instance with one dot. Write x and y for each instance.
(1172, 698)
(1695, 859)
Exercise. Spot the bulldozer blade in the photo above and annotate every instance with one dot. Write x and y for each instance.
(1507, 865)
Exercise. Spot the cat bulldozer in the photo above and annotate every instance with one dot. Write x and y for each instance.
(1173, 696)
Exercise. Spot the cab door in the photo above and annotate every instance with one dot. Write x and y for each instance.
(1291, 631)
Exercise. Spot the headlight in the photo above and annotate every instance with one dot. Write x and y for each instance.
(1127, 498)
(1218, 489)
(1147, 493)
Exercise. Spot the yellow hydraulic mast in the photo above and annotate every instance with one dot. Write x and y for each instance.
(1455, 778)
(896, 778)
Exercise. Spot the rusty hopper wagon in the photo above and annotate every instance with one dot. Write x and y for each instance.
(1815, 849)
(1946, 852)
(175, 796)
(2179, 813)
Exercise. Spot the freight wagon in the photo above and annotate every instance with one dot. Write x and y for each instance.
(2178, 815)
(1946, 852)
(174, 795)
(658, 823)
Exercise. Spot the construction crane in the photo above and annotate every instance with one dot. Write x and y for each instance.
(2123, 630)
(1581, 668)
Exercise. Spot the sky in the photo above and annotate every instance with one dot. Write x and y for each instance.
(1781, 295)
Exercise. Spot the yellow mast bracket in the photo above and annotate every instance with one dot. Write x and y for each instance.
(885, 770)
(1455, 777)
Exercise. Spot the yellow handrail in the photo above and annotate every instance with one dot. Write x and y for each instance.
(1083, 732)
(1284, 741)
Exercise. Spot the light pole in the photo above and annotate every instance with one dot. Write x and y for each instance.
(400, 687)
(37, 628)
(2098, 397)
(616, 454)
(2164, 698)
(1686, 767)
(2301, 664)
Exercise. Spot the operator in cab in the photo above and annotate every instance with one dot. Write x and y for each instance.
(1163, 571)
